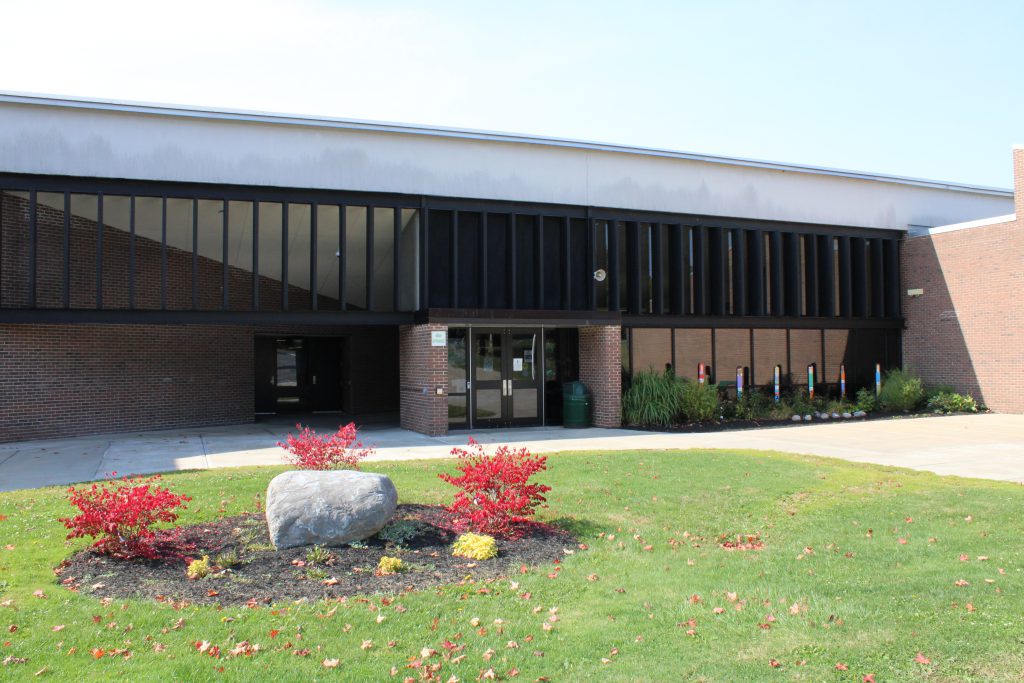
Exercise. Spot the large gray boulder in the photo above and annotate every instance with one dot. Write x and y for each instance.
(327, 508)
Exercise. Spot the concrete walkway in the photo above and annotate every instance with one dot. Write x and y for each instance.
(988, 446)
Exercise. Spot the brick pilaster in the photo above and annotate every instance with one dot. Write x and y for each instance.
(601, 372)
(423, 370)
(1018, 181)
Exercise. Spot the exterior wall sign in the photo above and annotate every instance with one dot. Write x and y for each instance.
(439, 338)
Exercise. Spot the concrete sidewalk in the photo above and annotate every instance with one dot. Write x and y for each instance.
(987, 446)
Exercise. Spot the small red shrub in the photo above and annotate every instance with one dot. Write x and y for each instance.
(495, 494)
(121, 514)
(310, 451)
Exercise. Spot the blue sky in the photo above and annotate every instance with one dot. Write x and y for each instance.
(927, 89)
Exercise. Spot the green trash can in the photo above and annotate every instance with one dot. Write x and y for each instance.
(575, 405)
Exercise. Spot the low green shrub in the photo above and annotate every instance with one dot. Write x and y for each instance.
(400, 532)
(699, 402)
(866, 400)
(754, 404)
(316, 574)
(319, 555)
(901, 391)
(952, 402)
(801, 403)
(652, 399)
(932, 391)
(838, 407)
(226, 560)
(780, 411)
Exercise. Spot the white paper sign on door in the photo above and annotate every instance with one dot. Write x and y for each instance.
(517, 365)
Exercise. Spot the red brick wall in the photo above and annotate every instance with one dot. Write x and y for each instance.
(423, 369)
(601, 372)
(967, 329)
(69, 380)
(61, 380)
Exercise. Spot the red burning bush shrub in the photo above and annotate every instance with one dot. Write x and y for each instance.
(121, 514)
(310, 451)
(495, 494)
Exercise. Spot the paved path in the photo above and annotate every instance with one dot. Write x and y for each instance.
(988, 446)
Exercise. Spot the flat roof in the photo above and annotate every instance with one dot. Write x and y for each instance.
(241, 115)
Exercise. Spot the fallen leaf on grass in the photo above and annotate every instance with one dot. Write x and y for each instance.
(58, 627)
(961, 583)
(331, 663)
(842, 667)
(921, 659)
(40, 594)
(367, 644)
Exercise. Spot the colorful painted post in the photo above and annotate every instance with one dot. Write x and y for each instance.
(878, 379)
(810, 380)
(842, 381)
(777, 380)
(739, 382)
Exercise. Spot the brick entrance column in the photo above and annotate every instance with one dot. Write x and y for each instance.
(601, 371)
(423, 369)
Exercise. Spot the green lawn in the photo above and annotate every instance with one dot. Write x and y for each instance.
(833, 584)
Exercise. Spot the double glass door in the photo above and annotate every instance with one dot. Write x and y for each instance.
(506, 382)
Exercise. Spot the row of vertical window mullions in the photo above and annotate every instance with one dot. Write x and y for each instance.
(733, 273)
(517, 225)
(159, 231)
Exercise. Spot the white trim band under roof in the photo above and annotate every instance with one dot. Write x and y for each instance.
(966, 225)
(247, 116)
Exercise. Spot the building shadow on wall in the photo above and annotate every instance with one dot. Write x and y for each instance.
(934, 345)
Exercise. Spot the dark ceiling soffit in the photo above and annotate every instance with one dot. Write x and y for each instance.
(762, 322)
(126, 317)
(123, 186)
(473, 316)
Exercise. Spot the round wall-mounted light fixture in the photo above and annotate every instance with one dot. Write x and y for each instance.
(600, 275)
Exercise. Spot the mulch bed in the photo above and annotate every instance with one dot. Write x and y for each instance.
(737, 424)
(265, 576)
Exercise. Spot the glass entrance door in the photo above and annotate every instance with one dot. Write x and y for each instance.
(506, 382)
